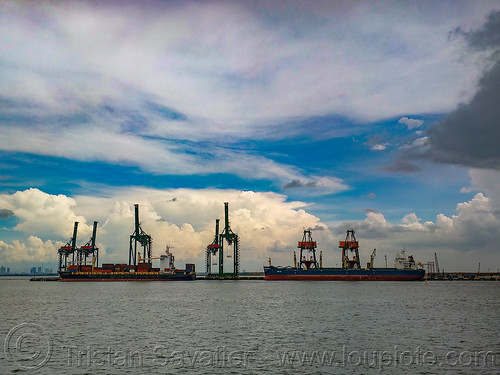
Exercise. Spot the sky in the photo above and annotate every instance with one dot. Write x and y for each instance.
(381, 117)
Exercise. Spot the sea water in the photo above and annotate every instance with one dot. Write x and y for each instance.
(250, 327)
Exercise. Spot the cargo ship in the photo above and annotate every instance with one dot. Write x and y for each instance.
(309, 268)
(81, 263)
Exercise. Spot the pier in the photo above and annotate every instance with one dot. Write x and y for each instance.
(490, 276)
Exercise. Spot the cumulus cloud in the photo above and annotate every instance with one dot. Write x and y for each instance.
(455, 237)
(33, 250)
(410, 122)
(182, 218)
(43, 214)
(268, 225)
(487, 181)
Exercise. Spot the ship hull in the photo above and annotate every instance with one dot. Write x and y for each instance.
(340, 274)
(125, 276)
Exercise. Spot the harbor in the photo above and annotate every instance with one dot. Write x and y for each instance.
(222, 262)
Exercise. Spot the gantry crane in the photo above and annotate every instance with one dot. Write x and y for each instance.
(352, 245)
(142, 238)
(68, 249)
(307, 257)
(212, 249)
(232, 241)
(217, 247)
(89, 249)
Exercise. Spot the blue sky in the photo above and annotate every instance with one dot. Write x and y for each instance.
(330, 116)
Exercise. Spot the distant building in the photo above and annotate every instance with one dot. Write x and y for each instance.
(33, 270)
(39, 269)
(2, 270)
(8, 269)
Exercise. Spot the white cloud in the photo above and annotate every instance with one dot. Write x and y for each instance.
(410, 122)
(412, 222)
(225, 64)
(379, 147)
(155, 156)
(182, 218)
(420, 142)
(43, 214)
(486, 180)
(103, 76)
(268, 225)
(467, 189)
(461, 241)
(35, 250)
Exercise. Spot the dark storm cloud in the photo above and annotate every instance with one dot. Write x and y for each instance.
(5, 214)
(470, 135)
(294, 184)
(486, 37)
(317, 228)
(402, 166)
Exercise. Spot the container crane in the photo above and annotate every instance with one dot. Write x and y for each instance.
(141, 238)
(212, 250)
(66, 250)
(232, 240)
(89, 249)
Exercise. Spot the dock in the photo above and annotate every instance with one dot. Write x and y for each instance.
(45, 278)
(482, 276)
(257, 276)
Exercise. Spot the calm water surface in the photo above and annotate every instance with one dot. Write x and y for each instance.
(250, 327)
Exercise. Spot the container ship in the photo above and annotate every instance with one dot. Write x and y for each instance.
(308, 267)
(81, 263)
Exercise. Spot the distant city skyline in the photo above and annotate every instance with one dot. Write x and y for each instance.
(377, 116)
